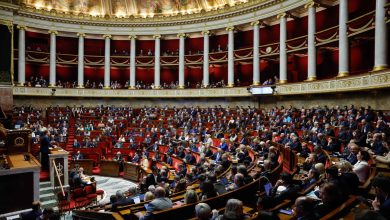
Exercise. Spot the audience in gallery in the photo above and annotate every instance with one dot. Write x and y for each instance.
(306, 127)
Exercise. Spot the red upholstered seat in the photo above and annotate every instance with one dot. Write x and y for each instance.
(90, 195)
(79, 198)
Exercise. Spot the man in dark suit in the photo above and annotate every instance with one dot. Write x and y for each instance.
(381, 204)
(78, 156)
(119, 158)
(159, 203)
(34, 214)
(189, 158)
(44, 150)
(169, 160)
(121, 201)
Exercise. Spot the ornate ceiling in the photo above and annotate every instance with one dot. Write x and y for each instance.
(131, 8)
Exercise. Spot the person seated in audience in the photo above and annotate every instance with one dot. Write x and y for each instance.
(78, 179)
(136, 158)
(169, 160)
(332, 176)
(203, 212)
(303, 208)
(120, 141)
(310, 161)
(180, 152)
(351, 152)
(243, 170)
(381, 203)
(121, 201)
(238, 182)
(159, 203)
(190, 197)
(147, 181)
(218, 186)
(119, 158)
(224, 146)
(361, 167)
(348, 176)
(283, 189)
(321, 157)
(312, 178)
(207, 190)
(234, 210)
(182, 169)
(333, 145)
(305, 150)
(376, 145)
(180, 186)
(331, 197)
(34, 214)
(76, 144)
(148, 196)
(78, 156)
(145, 162)
(217, 157)
(189, 158)
(383, 158)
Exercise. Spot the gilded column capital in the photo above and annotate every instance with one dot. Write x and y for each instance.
(157, 36)
(230, 28)
(282, 15)
(310, 4)
(255, 23)
(132, 37)
(179, 35)
(53, 32)
(21, 27)
(107, 36)
(80, 34)
(206, 32)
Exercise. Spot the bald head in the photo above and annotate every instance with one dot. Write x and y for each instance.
(159, 192)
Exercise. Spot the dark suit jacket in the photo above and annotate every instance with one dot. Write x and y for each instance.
(45, 144)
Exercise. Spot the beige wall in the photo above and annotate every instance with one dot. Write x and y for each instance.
(43, 102)
(378, 99)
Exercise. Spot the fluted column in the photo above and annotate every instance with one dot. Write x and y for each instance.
(52, 78)
(157, 38)
(343, 39)
(181, 59)
(132, 61)
(80, 75)
(206, 77)
(230, 56)
(311, 42)
(107, 54)
(380, 62)
(282, 49)
(256, 42)
(22, 55)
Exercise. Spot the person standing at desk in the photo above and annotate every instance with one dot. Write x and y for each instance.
(119, 159)
(44, 150)
(78, 156)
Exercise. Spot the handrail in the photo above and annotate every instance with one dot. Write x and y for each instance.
(58, 177)
(361, 16)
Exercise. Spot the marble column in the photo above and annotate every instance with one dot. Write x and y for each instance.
(157, 39)
(181, 59)
(343, 39)
(311, 42)
(132, 61)
(282, 49)
(53, 56)
(206, 45)
(380, 62)
(22, 55)
(256, 59)
(107, 53)
(80, 76)
(230, 56)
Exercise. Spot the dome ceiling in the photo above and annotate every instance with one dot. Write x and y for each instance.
(131, 8)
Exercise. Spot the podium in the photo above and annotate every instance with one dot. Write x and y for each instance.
(18, 141)
(109, 168)
(19, 185)
(59, 157)
(131, 171)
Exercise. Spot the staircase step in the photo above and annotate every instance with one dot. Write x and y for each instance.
(45, 190)
(44, 184)
(49, 203)
(47, 197)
